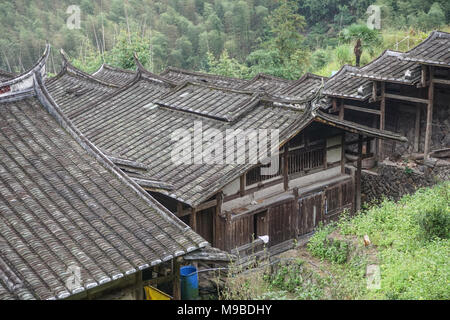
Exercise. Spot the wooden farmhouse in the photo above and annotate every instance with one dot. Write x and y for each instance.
(231, 205)
(123, 172)
(405, 93)
(73, 225)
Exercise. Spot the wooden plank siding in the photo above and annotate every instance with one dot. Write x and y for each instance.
(285, 220)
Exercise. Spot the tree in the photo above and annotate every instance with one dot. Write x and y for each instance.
(122, 54)
(370, 39)
(285, 28)
(226, 66)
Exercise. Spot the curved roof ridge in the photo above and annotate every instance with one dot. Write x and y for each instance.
(40, 66)
(69, 67)
(149, 74)
(306, 76)
(431, 57)
(197, 73)
(212, 86)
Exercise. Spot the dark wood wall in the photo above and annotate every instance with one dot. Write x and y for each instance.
(285, 220)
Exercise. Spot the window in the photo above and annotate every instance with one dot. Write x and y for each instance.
(254, 175)
(306, 159)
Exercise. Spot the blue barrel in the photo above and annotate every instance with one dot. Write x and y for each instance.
(189, 283)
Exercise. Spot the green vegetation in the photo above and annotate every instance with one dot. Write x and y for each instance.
(409, 243)
(323, 247)
(411, 238)
(239, 38)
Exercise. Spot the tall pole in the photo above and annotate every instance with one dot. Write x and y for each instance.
(429, 126)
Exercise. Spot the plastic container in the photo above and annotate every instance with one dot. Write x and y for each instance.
(189, 283)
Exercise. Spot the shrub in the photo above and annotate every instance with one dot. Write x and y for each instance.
(344, 55)
(435, 221)
(333, 250)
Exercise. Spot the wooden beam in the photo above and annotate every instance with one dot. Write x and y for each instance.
(179, 209)
(360, 109)
(158, 280)
(441, 81)
(382, 119)
(286, 167)
(358, 175)
(405, 98)
(296, 213)
(374, 91)
(228, 226)
(184, 213)
(193, 219)
(343, 153)
(139, 288)
(423, 79)
(176, 279)
(429, 124)
(242, 185)
(207, 205)
(367, 139)
(218, 225)
(417, 129)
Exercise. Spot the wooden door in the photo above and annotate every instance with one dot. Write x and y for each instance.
(205, 224)
(261, 227)
(310, 213)
(281, 222)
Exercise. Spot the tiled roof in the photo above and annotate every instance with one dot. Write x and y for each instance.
(390, 67)
(138, 121)
(435, 50)
(304, 88)
(203, 100)
(114, 75)
(353, 127)
(131, 126)
(179, 76)
(63, 204)
(72, 89)
(269, 84)
(344, 85)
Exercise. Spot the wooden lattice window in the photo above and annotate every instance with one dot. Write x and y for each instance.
(254, 175)
(301, 160)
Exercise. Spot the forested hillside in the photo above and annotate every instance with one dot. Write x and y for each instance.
(231, 37)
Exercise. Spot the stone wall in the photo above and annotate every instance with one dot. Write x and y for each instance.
(393, 180)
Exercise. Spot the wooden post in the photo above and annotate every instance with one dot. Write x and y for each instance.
(382, 119)
(429, 125)
(296, 214)
(216, 238)
(417, 129)
(228, 232)
(334, 104)
(139, 289)
(179, 208)
(193, 219)
(176, 278)
(343, 153)
(374, 91)
(286, 167)
(341, 110)
(423, 80)
(358, 174)
(242, 185)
